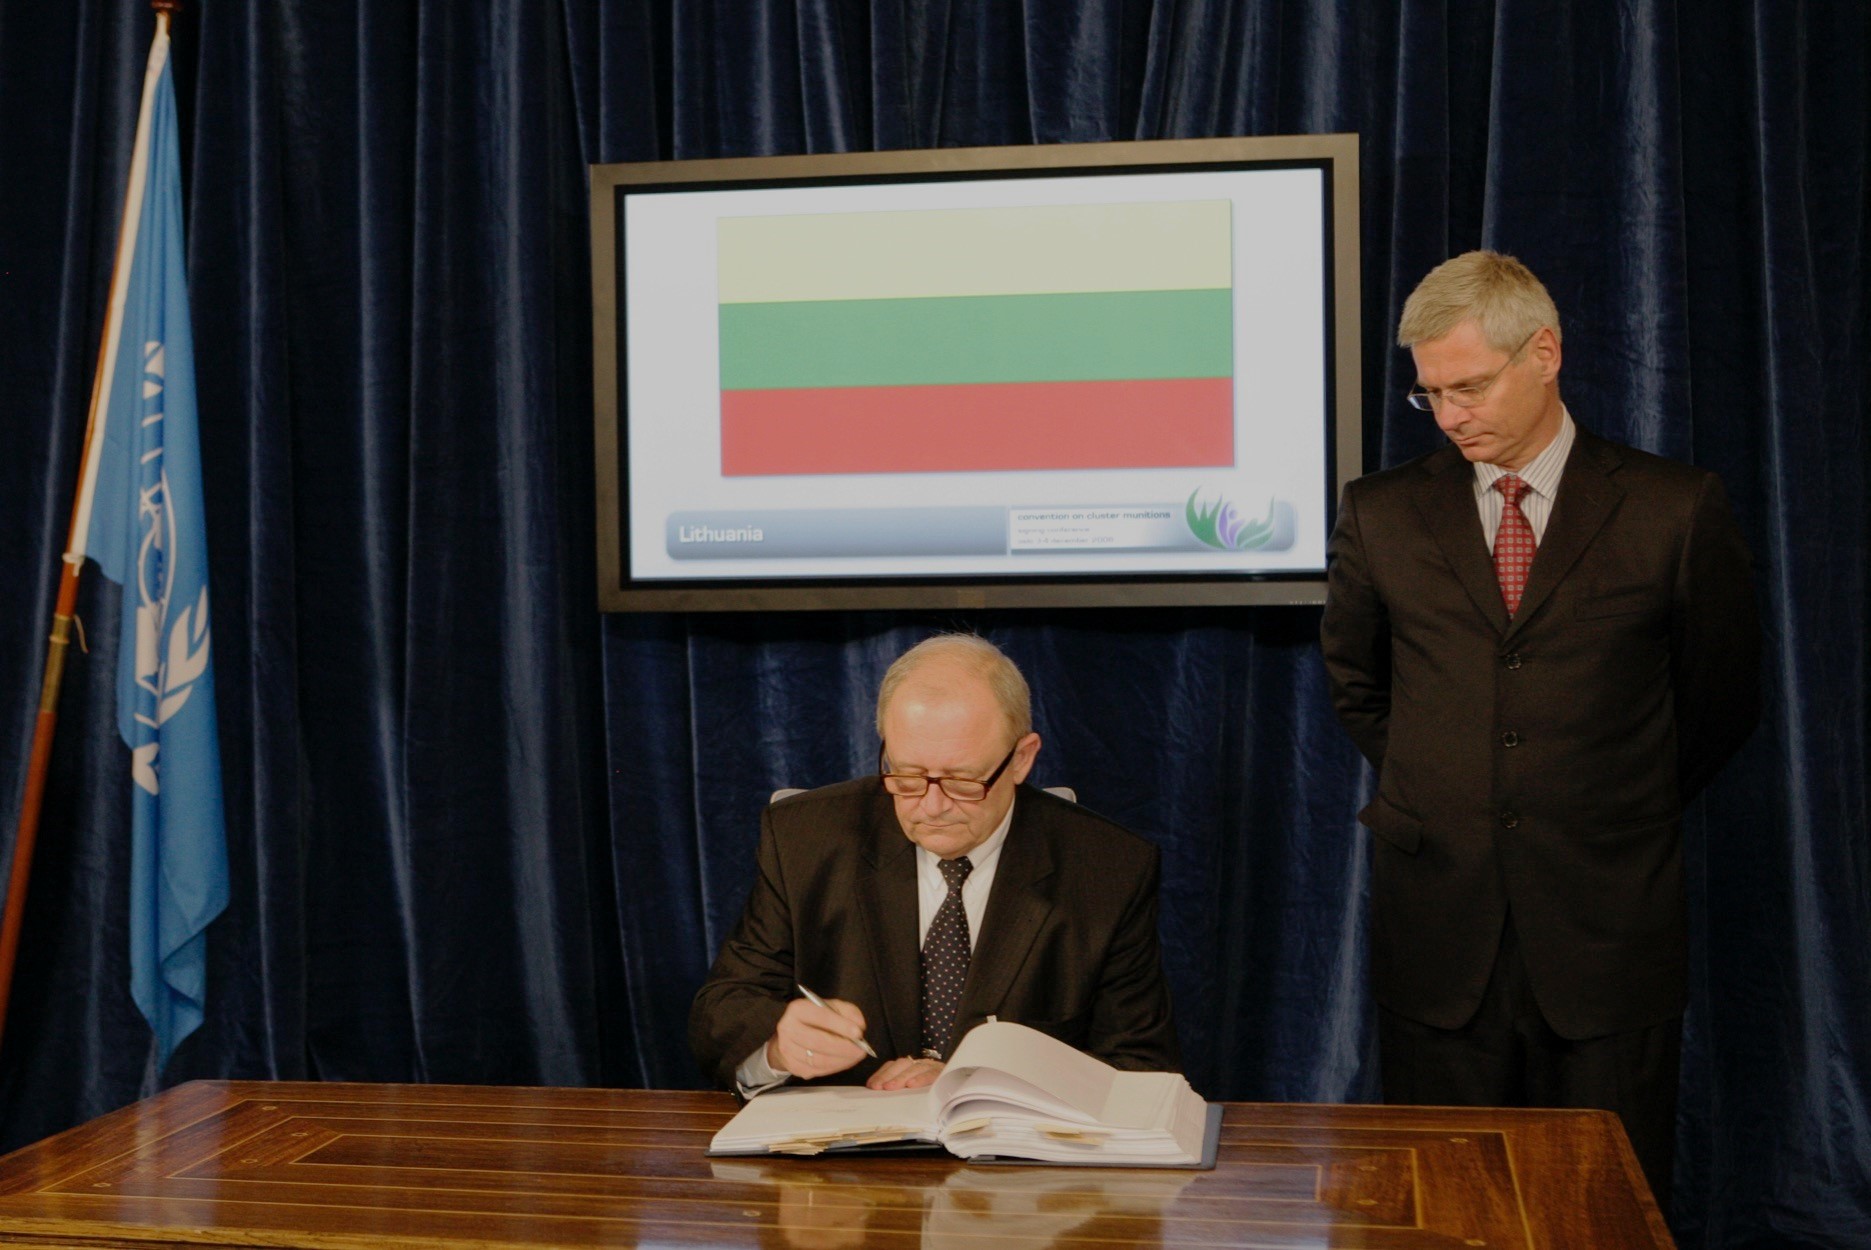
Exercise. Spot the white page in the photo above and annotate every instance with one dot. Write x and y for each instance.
(1041, 1062)
(845, 1110)
(987, 1092)
(1142, 1100)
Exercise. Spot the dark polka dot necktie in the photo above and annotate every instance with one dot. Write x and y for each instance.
(945, 961)
(1513, 543)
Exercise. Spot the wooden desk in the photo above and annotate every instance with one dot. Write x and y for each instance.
(248, 1163)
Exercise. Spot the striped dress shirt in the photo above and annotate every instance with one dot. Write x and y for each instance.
(1542, 479)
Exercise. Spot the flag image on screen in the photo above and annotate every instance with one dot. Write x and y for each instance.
(1088, 336)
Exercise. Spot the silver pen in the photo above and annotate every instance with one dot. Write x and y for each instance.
(816, 1001)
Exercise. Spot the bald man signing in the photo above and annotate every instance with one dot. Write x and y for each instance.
(920, 901)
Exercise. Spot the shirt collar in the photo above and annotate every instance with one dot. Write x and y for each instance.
(982, 855)
(1543, 472)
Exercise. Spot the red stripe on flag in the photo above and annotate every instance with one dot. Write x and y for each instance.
(1151, 424)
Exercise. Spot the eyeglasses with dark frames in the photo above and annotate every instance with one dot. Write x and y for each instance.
(961, 789)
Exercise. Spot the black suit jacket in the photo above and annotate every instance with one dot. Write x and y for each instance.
(1068, 943)
(1541, 763)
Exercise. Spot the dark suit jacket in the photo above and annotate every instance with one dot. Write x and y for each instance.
(1068, 943)
(1542, 763)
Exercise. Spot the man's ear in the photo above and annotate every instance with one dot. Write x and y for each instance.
(1024, 753)
(1546, 354)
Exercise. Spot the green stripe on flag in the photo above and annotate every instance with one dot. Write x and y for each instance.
(1086, 337)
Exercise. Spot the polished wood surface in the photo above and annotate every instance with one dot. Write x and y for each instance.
(248, 1163)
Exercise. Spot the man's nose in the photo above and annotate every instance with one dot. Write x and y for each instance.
(936, 800)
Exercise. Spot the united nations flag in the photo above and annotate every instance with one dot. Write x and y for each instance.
(141, 500)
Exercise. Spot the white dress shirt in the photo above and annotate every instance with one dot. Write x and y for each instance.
(931, 889)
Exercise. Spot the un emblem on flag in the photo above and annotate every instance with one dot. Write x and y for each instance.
(166, 667)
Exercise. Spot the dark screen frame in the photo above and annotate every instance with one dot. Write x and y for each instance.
(1335, 155)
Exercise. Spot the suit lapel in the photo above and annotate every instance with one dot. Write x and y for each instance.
(1445, 496)
(887, 887)
(1587, 498)
(1016, 909)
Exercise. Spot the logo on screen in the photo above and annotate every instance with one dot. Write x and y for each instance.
(1221, 525)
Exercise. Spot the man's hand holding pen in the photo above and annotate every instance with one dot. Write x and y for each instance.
(817, 1039)
(819, 1036)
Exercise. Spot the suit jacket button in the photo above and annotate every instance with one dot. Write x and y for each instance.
(1510, 739)
(1511, 659)
(1510, 819)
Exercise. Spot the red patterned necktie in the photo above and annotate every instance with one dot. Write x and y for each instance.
(1514, 544)
(945, 961)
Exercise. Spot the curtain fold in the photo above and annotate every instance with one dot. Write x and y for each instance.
(481, 833)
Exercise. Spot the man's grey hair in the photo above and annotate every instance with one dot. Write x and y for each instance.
(1498, 293)
(975, 655)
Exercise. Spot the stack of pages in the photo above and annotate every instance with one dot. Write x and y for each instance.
(1009, 1091)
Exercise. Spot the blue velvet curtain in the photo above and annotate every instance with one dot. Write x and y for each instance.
(480, 833)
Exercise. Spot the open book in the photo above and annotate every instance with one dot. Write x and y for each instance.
(1007, 1091)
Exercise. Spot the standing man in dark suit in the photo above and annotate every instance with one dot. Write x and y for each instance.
(924, 900)
(1546, 644)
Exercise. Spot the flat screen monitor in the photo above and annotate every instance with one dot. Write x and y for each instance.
(1073, 375)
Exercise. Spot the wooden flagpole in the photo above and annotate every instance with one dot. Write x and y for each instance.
(40, 761)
